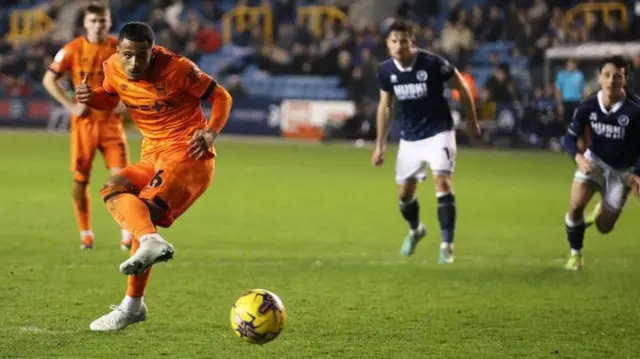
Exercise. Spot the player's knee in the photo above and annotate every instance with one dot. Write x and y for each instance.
(443, 183)
(80, 190)
(407, 191)
(115, 186)
(81, 177)
(606, 221)
(604, 227)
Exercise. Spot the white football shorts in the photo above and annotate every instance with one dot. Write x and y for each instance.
(437, 153)
(611, 182)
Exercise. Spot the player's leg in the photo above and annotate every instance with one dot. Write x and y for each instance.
(177, 184)
(442, 160)
(614, 196)
(582, 190)
(113, 145)
(83, 147)
(410, 169)
(134, 214)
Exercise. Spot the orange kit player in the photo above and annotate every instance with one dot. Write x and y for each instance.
(163, 92)
(91, 130)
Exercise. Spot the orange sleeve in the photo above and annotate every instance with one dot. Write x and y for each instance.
(63, 60)
(200, 85)
(193, 80)
(105, 97)
(222, 102)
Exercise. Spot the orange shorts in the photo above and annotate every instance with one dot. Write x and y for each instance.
(88, 136)
(170, 179)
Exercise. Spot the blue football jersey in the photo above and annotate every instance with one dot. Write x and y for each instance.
(420, 94)
(615, 133)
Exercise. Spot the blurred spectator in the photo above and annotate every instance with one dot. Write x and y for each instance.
(499, 87)
(350, 52)
(570, 87)
(493, 27)
(457, 41)
(540, 121)
(235, 88)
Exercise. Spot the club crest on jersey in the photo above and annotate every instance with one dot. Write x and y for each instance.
(394, 79)
(194, 74)
(593, 117)
(623, 120)
(422, 75)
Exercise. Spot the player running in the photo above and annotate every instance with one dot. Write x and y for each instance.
(163, 92)
(611, 163)
(417, 80)
(91, 129)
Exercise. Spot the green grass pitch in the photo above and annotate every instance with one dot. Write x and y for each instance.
(319, 226)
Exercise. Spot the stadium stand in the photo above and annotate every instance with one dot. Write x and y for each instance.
(308, 50)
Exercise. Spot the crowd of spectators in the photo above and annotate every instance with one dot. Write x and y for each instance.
(349, 51)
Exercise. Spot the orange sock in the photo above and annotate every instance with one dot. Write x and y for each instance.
(137, 283)
(82, 206)
(131, 213)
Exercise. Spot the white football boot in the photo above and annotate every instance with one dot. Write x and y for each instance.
(118, 319)
(153, 249)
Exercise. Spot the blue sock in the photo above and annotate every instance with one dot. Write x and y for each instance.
(575, 233)
(447, 216)
(411, 212)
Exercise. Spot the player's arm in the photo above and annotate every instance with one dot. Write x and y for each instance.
(383, 116)
(383, 119)
(574, 132)
(103, 98)
(202, 86)
(51, 81)
(222, 101)
(98, 98)
(466, 99)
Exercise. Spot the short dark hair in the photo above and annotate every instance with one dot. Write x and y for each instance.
(96, 8)
(615, 60)
(137, 32)
(401, 26)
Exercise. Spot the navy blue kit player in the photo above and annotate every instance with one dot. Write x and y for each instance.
(417, 79)
(611, 163)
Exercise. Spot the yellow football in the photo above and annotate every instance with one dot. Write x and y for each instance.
(258, 316)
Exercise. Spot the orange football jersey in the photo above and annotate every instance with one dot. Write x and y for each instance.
(165, 103)
(81, 57)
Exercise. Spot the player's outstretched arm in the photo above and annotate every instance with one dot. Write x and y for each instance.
(468, 105)
(97, 98)
(383, 121)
